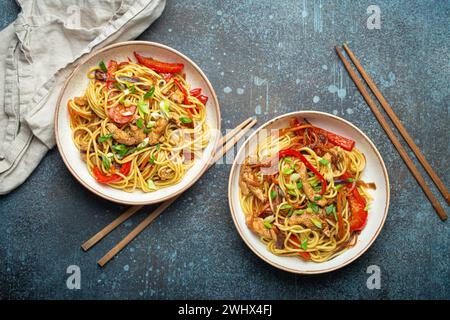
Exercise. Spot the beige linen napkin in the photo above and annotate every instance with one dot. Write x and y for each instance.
(37, 53)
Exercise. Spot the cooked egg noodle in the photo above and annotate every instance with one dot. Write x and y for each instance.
(165, 163)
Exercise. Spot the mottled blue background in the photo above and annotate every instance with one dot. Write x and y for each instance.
(264, 58)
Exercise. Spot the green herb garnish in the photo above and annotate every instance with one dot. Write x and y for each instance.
(273, 194)
(313, 206)
(324, 162)
(106, 162)
(143, 108)
(317, 198)
(185, 120)
(139, 123)
(285, 207)
(330, 209)
(105, 137)
(103, 66)
(164, 107)
(299, 212)
(316, 222)
(288, 171)
(121, 149)
(305, 244)
(150, 93)
(299, 185)
(158, 146)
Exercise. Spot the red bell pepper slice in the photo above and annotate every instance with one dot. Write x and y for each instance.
(159, 66)
(182, 89)
(357, 205)
(195, 92)
(297, 154)
(337, 140)
(203, 99)
(358, 208)
(100, 177)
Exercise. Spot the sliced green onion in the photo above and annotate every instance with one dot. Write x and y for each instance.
(151, 185)
(164, 107)
(350, 179)
(103, 66)
(158, 146)
(268, 221)
(185, 120)
(151, 124)
(295, 177)
(299, 212)
(121, 149)
(316, 198)
(143, 144)
(106, 162)
(273, 194)
(152, 159)
(143, 108)
(305, 244)
(313, 206)
(299, 185)
(316, 222)
(290, 186)
(150, 93)
(330, 209)
(105, 137)
(147, 130)
(285, 206)
(288, 171)
(139, 123)
(324, 162)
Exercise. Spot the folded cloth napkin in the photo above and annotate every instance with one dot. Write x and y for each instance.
(37, 53)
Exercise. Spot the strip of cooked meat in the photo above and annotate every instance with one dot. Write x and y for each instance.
(307, 189)
(306, 221)
(80, 101)
(129, 136)
(177, 96)
(257, 226)
(249, 183)
(157, 131)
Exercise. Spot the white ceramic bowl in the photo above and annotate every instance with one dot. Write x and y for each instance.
(76, 85)
(375, 171)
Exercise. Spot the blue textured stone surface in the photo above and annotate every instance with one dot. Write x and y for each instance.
(264, 58)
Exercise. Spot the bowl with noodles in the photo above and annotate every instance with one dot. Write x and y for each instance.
(137, 122)
(308, 192)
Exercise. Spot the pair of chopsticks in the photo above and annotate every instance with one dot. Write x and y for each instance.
(225, 144)
(381, 119)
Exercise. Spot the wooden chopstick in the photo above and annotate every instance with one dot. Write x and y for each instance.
(152, 216)
(439, 184)
(133, 209)
(434, 202)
